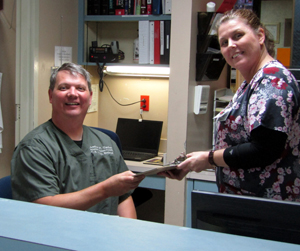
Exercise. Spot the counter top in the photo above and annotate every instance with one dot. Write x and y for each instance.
(29, 226)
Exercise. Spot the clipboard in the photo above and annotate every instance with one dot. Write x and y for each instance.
(157, 170)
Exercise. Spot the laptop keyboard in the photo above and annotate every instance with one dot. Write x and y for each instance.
(139, 156)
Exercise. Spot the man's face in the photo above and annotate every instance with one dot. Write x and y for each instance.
(70, 96)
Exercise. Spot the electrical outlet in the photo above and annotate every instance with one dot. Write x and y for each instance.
(145, 104)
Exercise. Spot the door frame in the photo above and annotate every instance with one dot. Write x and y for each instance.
(27, 46)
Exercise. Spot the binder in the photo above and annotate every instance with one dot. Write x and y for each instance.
(168, 6)
(284, 56)
(151, 52)
(156, 42)
(144, 41)
(167, 39)
(156, 7)
(162, 41)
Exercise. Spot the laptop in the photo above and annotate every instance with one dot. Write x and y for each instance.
(139, 140)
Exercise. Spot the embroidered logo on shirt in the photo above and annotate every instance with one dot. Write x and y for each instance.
(101, 150)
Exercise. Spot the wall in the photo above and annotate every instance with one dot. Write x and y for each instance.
(275, 12)
(183, 125)
(128, 90)
(58, 24)
(7, 67)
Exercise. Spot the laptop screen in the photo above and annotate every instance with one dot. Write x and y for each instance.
(139, 136)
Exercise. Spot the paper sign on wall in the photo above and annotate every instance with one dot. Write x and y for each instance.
(94, 105)
(62, 55)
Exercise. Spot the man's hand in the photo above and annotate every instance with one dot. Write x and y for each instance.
(121, 183)
(116, 185)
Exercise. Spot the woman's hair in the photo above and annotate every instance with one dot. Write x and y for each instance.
(253, 21)
(74, 69)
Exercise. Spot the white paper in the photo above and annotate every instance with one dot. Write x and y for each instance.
(62, 55)
(94, 105)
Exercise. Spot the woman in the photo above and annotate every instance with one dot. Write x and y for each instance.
(258, 133)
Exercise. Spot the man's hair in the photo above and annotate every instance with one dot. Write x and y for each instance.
(253, 21)
(74, 69)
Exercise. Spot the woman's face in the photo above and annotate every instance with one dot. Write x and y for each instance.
(240, 44)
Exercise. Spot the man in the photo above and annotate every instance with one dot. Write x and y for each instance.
(64, 163)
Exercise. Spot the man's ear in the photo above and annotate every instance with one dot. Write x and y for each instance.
(91, 97)
(50, 96)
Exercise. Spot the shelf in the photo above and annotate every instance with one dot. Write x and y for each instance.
(107, 28)
(225, 98)
(221, 98)
(219, 109)
(124, 18)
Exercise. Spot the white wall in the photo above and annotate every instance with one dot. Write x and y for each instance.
(58, 25)
(275, 12)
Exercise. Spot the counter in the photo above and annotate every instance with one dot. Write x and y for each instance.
(29, 226)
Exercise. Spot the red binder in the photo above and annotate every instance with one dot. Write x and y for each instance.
(156, 42)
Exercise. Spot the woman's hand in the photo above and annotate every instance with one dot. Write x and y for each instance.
(196, 161)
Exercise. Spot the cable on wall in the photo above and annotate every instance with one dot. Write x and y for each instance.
(102, 82)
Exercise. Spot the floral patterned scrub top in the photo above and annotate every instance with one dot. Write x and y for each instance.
(272, 100)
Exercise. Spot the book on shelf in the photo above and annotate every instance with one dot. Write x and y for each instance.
(119, 12)
(143, 7)
(93, 7)
(111, 7)
(137, 7)
(120, 7)
(104, 7)
(149, 7)
(156, 7)
(130, 7)
(126, 7)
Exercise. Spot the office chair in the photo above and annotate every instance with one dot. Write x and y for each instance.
(140, 194)
(5, 188)
(112, 135)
